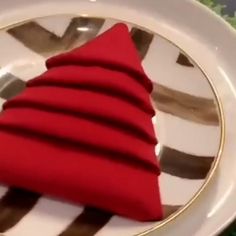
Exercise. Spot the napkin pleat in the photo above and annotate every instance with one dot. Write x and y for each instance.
(90, 104)
(98, 79)
(79, 176)
(79, 130)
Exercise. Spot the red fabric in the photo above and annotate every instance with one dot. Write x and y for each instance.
(108, 109)
(82, 177)
(125, 58)
(87, 78)
(82, 131)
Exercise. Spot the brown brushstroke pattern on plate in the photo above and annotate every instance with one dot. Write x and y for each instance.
(186, 106)
(88, 223)
(17, 203)
(10, 86)
(48, 44)
(184, 165)
(14, 205)
(170, 209)
(184, 60)
(202, 111)
(92, 220)
(142, 40)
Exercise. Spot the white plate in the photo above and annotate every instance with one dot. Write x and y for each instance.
(210, 42)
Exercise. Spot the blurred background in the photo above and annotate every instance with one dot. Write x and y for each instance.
(229, 5)
(225, 8)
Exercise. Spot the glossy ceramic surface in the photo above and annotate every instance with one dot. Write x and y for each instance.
(169, 25)
(187, 121)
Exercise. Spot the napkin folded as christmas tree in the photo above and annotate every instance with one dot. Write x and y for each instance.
(82, 131)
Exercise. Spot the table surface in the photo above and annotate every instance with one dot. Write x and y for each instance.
(227, 9)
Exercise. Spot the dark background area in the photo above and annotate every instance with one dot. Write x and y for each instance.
(230, 6)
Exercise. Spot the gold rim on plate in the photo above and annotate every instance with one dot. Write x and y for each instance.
(219, 106)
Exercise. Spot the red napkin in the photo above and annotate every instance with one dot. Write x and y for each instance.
(82, 131)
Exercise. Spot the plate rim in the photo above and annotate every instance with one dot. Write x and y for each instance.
(199, 5)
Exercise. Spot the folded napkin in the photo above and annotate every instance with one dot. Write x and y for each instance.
(82, 131)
